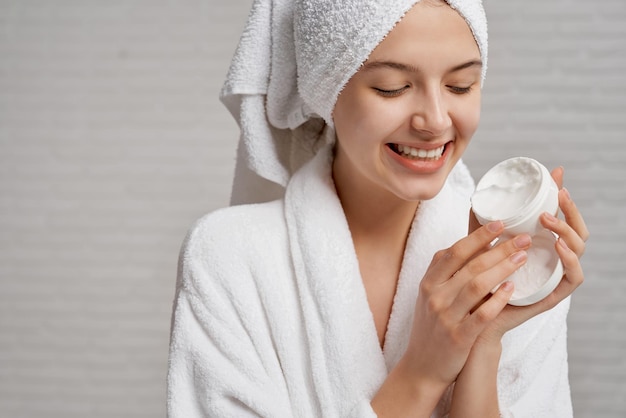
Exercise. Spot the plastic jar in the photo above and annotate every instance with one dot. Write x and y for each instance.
(517, 191)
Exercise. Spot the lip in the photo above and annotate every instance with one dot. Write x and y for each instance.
(422, 166)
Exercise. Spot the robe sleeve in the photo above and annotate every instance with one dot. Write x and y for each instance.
(216, 366)
(533, 375)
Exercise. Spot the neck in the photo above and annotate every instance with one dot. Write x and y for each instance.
(374, 216)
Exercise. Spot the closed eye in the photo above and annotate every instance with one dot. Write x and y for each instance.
(459, 90)
(391, 93)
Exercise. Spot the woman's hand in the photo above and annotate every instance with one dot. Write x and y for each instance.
(570, 246)
(470, 399)
(453, 307)
(457, 316)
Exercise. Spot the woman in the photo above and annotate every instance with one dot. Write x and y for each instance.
(360, 293)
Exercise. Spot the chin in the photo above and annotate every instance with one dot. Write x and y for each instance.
(422, 189)
(419, 193)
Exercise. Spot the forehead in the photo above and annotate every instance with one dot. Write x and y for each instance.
(431, 28)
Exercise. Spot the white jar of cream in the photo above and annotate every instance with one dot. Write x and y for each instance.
(517, 191)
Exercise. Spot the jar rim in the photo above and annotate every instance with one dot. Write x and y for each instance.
(537, 193)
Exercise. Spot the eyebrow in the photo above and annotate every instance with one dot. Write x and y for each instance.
(413, 69)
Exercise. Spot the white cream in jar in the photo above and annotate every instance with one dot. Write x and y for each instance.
(517, 191)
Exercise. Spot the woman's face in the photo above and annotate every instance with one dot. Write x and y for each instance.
(405, 118)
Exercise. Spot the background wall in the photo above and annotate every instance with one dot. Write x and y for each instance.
(112, 141)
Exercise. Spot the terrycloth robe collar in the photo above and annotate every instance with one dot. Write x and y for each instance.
(339, 324)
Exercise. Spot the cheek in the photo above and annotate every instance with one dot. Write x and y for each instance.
(378, 118)
(467, 120)
(360, 118)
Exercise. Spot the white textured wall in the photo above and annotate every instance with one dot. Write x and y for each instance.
(112, 141)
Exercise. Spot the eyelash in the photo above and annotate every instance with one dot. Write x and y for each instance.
(460, 90)
(397, 92)
(391, 93)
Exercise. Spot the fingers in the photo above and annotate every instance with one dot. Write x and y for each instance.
(488, 310)
(565, 232)
(573, 229)
(573, 272)
(572, 215)
(572, 278)
(557, 175)
(481, 275)
(447, 262)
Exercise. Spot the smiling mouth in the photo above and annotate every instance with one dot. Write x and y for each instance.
(418, 153)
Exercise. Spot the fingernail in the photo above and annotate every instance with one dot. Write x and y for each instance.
(563, 244)
(507, 286)
(494, 226)
(522, 241)
(550, 218)
(518, 257)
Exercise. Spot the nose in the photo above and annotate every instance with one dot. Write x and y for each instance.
(431, 114)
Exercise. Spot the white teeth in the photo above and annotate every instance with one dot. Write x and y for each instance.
(414, 153)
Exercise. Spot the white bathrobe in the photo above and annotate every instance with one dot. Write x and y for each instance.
(271, 317)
